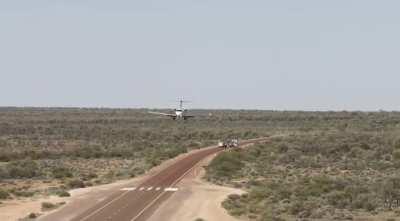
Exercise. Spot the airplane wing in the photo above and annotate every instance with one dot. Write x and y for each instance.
(163, 114)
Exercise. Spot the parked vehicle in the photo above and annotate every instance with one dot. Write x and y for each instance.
(229, 143)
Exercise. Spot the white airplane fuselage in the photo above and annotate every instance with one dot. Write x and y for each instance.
(179, 113)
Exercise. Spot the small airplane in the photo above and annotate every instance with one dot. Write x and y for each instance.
(180, 113)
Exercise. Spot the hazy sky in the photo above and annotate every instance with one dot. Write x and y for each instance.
(301, 55)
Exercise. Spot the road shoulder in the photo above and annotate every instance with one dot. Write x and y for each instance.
(196, 198)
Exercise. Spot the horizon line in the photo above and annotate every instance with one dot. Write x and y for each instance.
(196, 108)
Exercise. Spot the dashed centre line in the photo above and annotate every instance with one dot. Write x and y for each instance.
(129, 189)
(166, 189)
(170, 189)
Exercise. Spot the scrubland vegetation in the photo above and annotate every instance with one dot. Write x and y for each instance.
(330, 166)
(49, 151)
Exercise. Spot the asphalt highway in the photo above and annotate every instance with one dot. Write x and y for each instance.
(132, 203)
(135, 203)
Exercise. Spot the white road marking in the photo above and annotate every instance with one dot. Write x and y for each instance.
(150, 188)
(158, 188)
(129, 189)
(160, 195)
(141, 189)
(170, 189)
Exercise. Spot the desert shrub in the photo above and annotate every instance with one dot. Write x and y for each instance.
(154, 161)
(22, 193)
(63, 193)
(76, 183)
(48, 206)
(4, 194)
(136, 172)
(267, 217)
(396, 154)
(339, 199)
(90, 152)
(390, 191)
(88, 176)
(263, 192)
(234, 209)
(23, 169)
(297, 207)
(32, 216)
(365, 201)
(234, 205)
(61, 172)
(174, 151)
(4, 173)
(225, 166)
